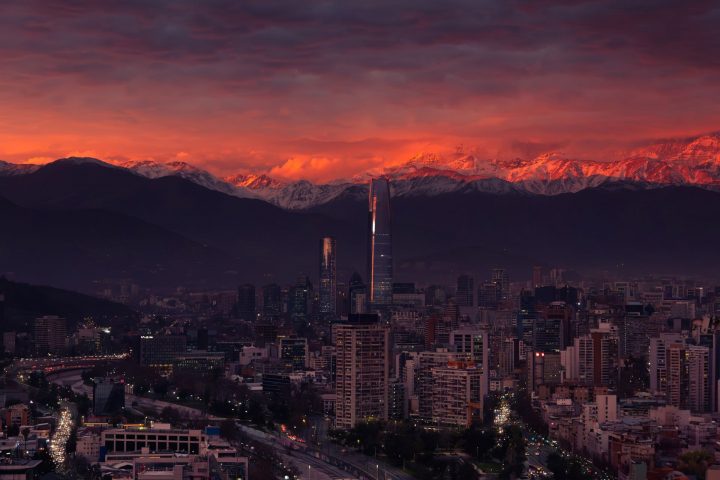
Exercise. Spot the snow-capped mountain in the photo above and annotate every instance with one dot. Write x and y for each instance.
(693, 161)
(7, 169)
(151, 169)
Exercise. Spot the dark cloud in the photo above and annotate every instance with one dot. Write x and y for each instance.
(416, 70)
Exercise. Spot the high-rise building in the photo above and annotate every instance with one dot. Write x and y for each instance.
(681, 371)
(551, 331)
(456, 395)
(160, 351)
(50, 335)
(605, 358)
(464, 295)
(380, 255)
(488, 295)
(475, 342)
(537, 276)
(698, 372)
(362, 370)
(357, 294)
(578, 361)
(501, 278)
(294, 353)
(424, 382)
(328, 277)
(246, 302)
(272, 300)
(300, 299)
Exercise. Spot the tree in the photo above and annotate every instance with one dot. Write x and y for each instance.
(695, 463)
(557, 466)
(563, 469)
(170, 415)
(514, 459)
(229, 431)
(25, 432)
(479, 442)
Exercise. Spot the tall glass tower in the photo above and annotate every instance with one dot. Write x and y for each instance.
(380, 261)
(328, 277)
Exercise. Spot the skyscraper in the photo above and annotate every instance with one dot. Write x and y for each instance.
(272, 300)
(465, 294)
(300, 299)
(246, 302)
(328, 277)
(501, 278)
(380, 261)
(363, 367)
(50, 335)
(357, 295)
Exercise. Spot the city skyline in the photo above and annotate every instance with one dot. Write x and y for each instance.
(414, 240)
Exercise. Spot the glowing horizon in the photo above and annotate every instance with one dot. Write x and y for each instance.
(323, 91)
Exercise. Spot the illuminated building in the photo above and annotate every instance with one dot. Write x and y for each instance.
(380, 256)
(160, 351)
(363, 366)
(328, 277)
(294, 353)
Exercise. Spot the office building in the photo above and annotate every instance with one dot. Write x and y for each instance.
(501, 279)
(200, 362)
(328, 278)
(246, 302)
(357, 293)
(156, 440)
(300, 300)
(380, 254)
(465, 292)
(108, 396)
(272, 301)
(294, 353)
(160, 351)
(50, 335)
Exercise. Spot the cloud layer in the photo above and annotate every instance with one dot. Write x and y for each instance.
(322, 89)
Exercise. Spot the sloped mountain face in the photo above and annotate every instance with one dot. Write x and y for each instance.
(9, 169)
(693, 161)
(253, 237)
(74, 248)
(73, 222)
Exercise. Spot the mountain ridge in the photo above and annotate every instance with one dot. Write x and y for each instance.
(691, 161)
(74, 222)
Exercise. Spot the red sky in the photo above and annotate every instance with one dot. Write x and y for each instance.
(321, 90)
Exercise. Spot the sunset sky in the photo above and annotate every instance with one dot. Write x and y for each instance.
(321, 90)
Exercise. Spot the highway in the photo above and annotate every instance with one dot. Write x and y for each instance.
(308, 465)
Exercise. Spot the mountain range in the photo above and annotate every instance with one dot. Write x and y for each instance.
(692, 161)
(75, 221)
